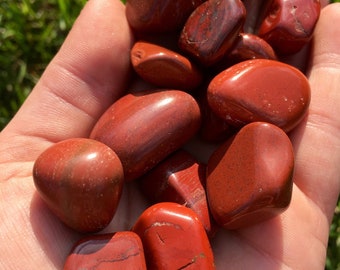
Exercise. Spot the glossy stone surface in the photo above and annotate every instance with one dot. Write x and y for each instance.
(249, 179)
(179, 178)
(145, 127)
(249, 46)
(173, 238)
(81, 181)
(164, 68)
(120, 250)
(260, 90)
(289, 25)
(156, 16)
(212, 29)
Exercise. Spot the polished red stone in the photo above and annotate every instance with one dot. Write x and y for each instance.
(173, 238)
(181, 179)
(249, 179)
(249, 46)
(120, 250)
(145, 127)
(260, 90)
(81, 181)
(164, 68)
(155, 16)
(289, 25)
(212, 29)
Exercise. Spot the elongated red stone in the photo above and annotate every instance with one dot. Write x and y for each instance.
(260, 90)
(289, 25)
(249, 179)
(212, 29)
(145, 127)
(157, 16)
(164, 68)
(81, 181)
(120, 250)
(173, 238)
(181, 179)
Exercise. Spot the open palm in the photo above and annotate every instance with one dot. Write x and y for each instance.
(86, 76)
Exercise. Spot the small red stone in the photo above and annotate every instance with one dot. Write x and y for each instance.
(249, 46)
(249, 178)
(158, 16)
(81, 181)
(289, 25)
(120, 250)
(260, 90)
(212, 29)
(181, 179)
(173, 238)
(164, 68)
(145, 127)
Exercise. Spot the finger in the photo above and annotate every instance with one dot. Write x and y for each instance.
(83, 79)
(317, 142)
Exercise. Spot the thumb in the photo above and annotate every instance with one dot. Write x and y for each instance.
(317, 143)
(84, 78)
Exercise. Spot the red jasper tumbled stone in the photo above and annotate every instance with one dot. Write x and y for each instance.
(164, 68)
(260, 90)
(173, 238)
(249, 46)
(145, 127)
(120, 250)
(249, 179)
(289, 25)
(181, 179)
(212, 29)
(156, 16)
(81, 181)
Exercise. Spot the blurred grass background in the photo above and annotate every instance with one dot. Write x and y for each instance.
(31, 32)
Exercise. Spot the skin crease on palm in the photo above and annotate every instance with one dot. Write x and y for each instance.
(86, 76)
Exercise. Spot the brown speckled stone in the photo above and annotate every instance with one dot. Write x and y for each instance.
(81, 181)
(249, 179)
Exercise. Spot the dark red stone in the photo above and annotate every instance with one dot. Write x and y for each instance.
(120, 250)
(156, 16)
(81, 181)
(173, 238)
(164, 68)
(145, 127)
(212, 29)
(249, 179)
(289, 25)
(260, 90)
(249, 46)
(213, 128)
(181, 179)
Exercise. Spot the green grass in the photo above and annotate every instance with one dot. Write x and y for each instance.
(31, 32)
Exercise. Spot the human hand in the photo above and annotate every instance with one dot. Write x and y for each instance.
(86, 76)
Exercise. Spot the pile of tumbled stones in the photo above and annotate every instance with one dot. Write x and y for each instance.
(202, 131)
